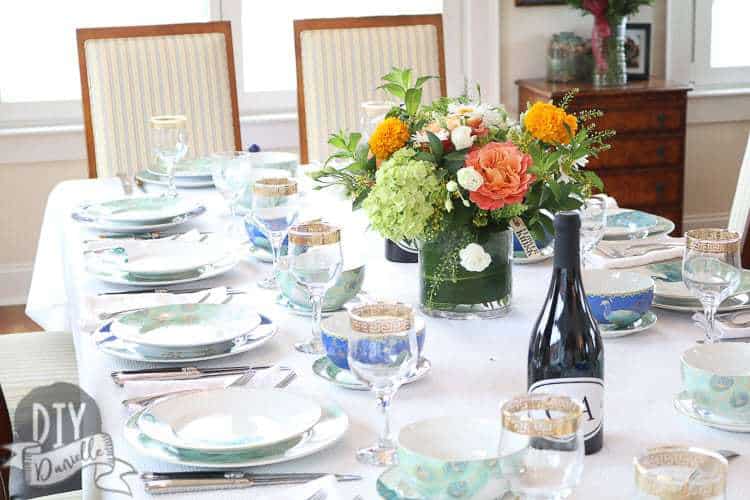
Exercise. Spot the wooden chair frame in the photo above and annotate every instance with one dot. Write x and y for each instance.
(85, 34)
(356, 22)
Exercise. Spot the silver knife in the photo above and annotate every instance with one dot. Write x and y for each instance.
(182, 373)
(732, 339)
(175, 482)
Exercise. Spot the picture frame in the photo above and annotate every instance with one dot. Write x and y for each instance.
(532, 3)
(638, 50)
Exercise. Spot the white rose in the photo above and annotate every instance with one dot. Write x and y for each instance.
(474, 258)
(469, 178)
(492, 117)
(461, 137)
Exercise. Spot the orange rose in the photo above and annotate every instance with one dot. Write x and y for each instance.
(504, 169)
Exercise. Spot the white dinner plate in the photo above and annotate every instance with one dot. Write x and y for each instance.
(180, 182)
(138, 209)
(168, 256)
(231, 419)
(199, 168)
(182, 326)
(668, 283)
(332, 425)
(204, 272)
(120, 228)
(119, 348)
(734, 303)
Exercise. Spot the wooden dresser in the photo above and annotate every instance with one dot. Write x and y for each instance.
(645, 167)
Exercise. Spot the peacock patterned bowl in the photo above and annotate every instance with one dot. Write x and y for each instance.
(347, 286)
(335, 331)
(618, 297)
(717, 378)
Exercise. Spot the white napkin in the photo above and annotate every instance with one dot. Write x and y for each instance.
(263, 379)
(326, 484)
(94, 306)
(727, 329)
(600, 261)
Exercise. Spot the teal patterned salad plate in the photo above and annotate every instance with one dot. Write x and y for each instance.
(138, 209)
(180, 182)
(331, 427)
(185, 325)
(629, 222)
(325, 369)
(200, 167)
(669, 285)
(663, 226)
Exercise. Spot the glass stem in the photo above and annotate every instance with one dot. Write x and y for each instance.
(709, 309)
(275, 252)
(317, 312)
(171, 186)
(384, 397)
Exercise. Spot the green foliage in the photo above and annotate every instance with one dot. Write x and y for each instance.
(398, 83)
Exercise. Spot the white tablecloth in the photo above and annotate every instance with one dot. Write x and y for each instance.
(476, 364)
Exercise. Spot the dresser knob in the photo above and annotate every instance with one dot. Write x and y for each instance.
(661, 118)
(660, 187)
(660, 151)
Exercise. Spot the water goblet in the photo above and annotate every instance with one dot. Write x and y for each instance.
(169, 142)
(712, 270)
(680, 472)
(274, 209)
(593, 214)
(541, 445)
(232, 173)
(373, 112)
(382, 351)
(315, 261)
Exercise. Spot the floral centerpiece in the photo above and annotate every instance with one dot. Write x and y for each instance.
(608, 36)
(454, 175)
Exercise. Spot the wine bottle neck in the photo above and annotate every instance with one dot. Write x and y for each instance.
(568, 253)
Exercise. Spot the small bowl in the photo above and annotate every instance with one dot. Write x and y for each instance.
(619, 298)
(451, 457)
(717, 378)
(335, 331)
(347, 286)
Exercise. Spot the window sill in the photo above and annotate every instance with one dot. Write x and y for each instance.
(701, 91)
(719, 104)
(273, 131)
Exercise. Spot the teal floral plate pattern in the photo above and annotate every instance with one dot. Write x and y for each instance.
(668, 280)
(138, 209)
(325, 369)
(612, 331)
(186, 325)
(332, 425)
(125, 278)
(200, 167)
(629, 222)
(663, 226)
(347, 286)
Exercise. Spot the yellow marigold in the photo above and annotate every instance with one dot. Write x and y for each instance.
(547, 123)
(390, 136)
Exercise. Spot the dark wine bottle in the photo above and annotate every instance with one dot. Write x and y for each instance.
(566, 355)
(395, 253)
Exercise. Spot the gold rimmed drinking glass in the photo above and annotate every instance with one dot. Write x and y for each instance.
(712, 270)
(382, 351)
(274, 209)
(676, 472)
(315, 261)
(169, 142)
(541, 445)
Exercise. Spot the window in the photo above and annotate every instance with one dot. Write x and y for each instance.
(730, 39)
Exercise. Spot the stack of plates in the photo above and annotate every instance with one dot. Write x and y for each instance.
(235, 427)
(162, 261)
(634, 224)
(187, 174)
(671, 293)
(185, 332)
(137, 214)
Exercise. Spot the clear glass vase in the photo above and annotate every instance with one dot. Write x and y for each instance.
(608, 47)
(448, 290)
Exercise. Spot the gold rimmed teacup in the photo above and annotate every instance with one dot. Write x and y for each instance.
(314, 233)
(275, 186)
(712, 240)
(560, 416)
(674, 472)
(381, 317)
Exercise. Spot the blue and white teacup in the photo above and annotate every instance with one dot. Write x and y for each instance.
(716, 377)
(335, 331)
(618, 298)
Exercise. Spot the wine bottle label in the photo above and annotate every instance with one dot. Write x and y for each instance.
(587, 391)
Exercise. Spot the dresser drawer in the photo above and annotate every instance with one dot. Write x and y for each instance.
(640, 120)
(641, 151)
(644, 188)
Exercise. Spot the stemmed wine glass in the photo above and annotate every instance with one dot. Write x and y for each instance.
(593, 214)
(232, 173)
(315, 261)
(169, 141)
(382, 351)
(712, 270)
(541, 445)
(274, 210)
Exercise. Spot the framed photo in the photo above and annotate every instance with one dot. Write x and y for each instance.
(638, 50)
(529, 3)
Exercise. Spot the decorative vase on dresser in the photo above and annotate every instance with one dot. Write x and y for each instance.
(645, 167)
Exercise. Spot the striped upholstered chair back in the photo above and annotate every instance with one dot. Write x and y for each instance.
(340, 62)
(739, 215)
(129, 74)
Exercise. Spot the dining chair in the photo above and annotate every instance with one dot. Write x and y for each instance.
(739, 215)
(340, 62)
(28, 361)
(129, 74)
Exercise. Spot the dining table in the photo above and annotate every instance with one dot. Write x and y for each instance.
(476, 364)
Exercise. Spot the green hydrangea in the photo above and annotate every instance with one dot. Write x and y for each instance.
(406, 195)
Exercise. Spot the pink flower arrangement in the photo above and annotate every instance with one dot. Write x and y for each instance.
(505, 171)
